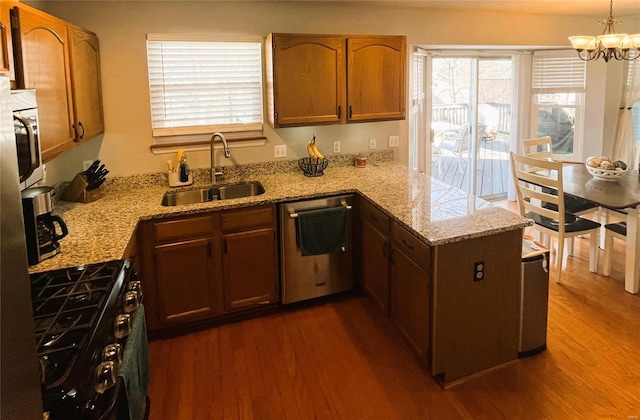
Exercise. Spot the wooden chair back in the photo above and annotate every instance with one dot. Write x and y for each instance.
(531, 176)
(538, 148)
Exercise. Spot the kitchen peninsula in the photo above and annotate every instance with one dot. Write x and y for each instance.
(473, 324)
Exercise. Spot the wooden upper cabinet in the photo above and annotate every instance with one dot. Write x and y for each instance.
(317, 79)
(376, 77)
(86, 85)
(6, 47)
(305, 79)
(62, 62)
(43, 65)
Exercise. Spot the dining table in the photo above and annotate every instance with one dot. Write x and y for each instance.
(623, 195)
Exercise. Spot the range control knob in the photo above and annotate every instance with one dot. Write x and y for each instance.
(131, 301)
(137, 286)
(113, 353)
(122, 326)
(106, 376)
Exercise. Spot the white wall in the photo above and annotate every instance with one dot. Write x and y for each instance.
(122, 27)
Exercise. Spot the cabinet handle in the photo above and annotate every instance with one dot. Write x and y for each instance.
(350, 112)
(81, 126)
(5, 55)
(339, 111)
(75, 133)
(405, 243)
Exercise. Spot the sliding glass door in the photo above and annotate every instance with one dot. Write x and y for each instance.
(471, 101)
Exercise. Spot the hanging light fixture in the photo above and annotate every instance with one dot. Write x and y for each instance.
(608, 45)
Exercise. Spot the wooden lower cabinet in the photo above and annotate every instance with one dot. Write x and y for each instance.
(375, 254)
(396, 275)
(185, 281)
(199, 267)
(411, 300)
(375, 268)
(250, 263)
(456, 323)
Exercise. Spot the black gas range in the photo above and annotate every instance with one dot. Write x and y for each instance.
(83, 316)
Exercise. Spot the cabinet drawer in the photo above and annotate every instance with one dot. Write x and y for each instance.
(245, 219)
(411, 246)
(183, 228)
(374, 216)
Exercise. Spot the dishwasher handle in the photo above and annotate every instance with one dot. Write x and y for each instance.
(344, 204)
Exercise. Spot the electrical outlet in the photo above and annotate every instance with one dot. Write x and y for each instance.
(394, 141)
(478, 271)
(372, 143)
(86, 164)
(336, 146)
(280, 151)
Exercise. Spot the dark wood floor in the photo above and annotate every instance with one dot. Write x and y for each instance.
(493, 169)
(343, 360)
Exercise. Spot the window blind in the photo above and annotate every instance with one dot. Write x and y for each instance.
(555, 72)
(203, 86)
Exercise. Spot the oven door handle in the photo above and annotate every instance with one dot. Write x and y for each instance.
(33, 149)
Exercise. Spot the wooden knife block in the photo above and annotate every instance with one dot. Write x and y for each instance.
(77, 191)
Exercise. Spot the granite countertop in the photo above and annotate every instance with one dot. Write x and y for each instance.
(434, 211)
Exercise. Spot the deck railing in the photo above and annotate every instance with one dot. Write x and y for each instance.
(458, 114)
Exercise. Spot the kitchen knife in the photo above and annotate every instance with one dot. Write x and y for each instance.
(94, 165)
(99, 180)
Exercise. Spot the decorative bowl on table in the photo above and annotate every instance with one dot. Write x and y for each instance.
(603, 169)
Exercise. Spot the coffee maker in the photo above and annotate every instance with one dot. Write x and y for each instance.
(40, 225)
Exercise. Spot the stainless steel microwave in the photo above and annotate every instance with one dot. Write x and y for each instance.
(25, 122)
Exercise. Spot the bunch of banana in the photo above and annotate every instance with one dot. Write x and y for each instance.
(312, 149)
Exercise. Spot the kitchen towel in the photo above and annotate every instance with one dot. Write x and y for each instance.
(135, 365)
(322, 231)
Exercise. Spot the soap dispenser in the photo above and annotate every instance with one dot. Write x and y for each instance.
(184, 169)
(180, 176)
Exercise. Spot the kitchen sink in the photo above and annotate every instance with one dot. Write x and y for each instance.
(212, 193)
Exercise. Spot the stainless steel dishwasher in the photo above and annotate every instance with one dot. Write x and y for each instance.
(307, 277)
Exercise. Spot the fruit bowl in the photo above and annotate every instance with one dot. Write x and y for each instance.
(607, 174)
(313, 166)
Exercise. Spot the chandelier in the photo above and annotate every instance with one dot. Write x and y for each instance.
(608, 45)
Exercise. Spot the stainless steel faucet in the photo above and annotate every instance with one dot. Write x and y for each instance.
(227, 154)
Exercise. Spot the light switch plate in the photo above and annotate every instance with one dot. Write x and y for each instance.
(394, 141)
(336, 146)
(280, 151)
(372, 143)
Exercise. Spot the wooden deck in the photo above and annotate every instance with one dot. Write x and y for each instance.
(492, 169)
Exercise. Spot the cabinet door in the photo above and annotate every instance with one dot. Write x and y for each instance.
(411, 302)
(376, 78)
(44, 66)
(86, 85)
(308, 80)
(375, 266)
(185, 281)
(6, 49)
(250, 268)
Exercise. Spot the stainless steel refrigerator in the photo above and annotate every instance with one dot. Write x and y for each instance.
(20, 395)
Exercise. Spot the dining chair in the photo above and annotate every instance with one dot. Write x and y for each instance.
(612, 230)
(532, 178)
(541, 148)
